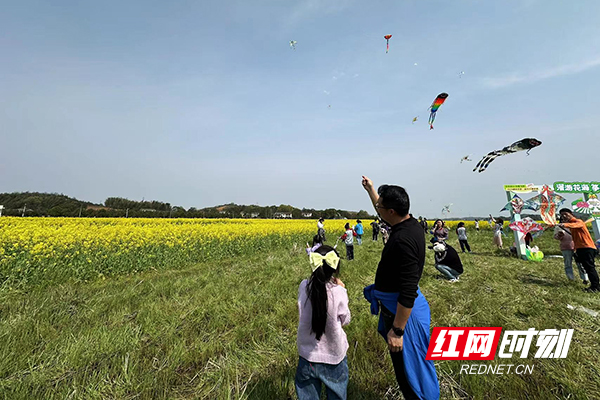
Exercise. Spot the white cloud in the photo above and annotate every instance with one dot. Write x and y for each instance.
(516, 77)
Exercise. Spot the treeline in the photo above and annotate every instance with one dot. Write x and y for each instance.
(33, 204)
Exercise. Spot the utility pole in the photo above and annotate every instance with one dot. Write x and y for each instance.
(80, 208)
(24, 208)
(1, 208)
(127, 213)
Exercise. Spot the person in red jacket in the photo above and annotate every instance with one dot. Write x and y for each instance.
(585, 248)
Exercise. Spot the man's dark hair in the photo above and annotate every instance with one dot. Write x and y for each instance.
(395, 198)
(565, 210)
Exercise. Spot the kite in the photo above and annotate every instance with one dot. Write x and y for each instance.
(516, 205)
(527, 225)
(387, 39)
(446, 209)
(465, 158)
(537, 202)
(439, 100)
(461, 74)
(293, 44)
(547, 202)
(521, 145)
(415, 119)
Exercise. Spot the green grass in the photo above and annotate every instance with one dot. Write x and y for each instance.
(227, 330)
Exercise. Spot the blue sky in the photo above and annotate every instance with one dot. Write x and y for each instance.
(204, 102)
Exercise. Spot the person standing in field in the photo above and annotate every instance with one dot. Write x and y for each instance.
(348, 238)
(321, 228)
(424, 224)
(585, 248)
(439, 232)
(404, 314)
(497, 231)
(567, 248)
(358, 228)
(322, 343)
(461, 231)
(477, 225)
(375, 226)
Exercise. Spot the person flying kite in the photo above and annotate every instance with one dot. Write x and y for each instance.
(439, 100)
(387, 39)
(521, 145)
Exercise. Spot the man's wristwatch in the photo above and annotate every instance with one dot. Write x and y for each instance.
(398, 331)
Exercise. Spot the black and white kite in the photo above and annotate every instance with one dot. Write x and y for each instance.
(521, 145)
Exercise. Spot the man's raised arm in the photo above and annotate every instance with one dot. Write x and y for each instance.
(368, 185)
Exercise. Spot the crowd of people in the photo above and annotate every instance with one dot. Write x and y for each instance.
(403, 311)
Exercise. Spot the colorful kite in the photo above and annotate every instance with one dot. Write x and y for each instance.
(387, 39)
(435, 106)
(293, 44)
(461, 74)
(523, 144)
(465, 158)
(543, 201)
(415, 119)
(547, 202)
(527, 225)
(516, 205)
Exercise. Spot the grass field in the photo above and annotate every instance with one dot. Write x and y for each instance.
(224, 326)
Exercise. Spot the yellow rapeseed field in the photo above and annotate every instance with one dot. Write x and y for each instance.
(44, 250)
(34, 250)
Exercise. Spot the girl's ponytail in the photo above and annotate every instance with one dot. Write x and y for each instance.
(317, 292)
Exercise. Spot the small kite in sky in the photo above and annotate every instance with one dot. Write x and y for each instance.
(446, 209)
(521, 145)
(415, 119)
(329, 106)
(293, 44)
(326, 92)
(415, 64)
(461, 74)
(439, 100)
(465, 158)
(387, 39)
